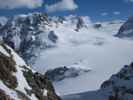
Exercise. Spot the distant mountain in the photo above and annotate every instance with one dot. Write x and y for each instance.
(118, 87)
(29, 34)
(126, 30)
(19, 82)
(63, 41)
(111, 27)
(32, 33)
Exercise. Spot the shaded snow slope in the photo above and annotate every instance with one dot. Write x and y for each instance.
(118, 87)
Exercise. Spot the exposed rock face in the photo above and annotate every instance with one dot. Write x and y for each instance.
(52, 36)
(27, 34)
(61, 73)
(7, 68)
(120, 85)
(38, 83)
(97, 25)
(20, 82)
(126, 30)
(7, 77)
(80, 23)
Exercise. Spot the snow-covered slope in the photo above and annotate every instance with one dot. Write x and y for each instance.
(110, 27)
(50, 42)
(126, 30)
(103, 60)
(19, 82)
(118, 87)
(31, 34)
(28, 34)
(98, 50)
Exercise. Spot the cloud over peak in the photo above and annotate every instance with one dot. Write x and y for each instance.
(116, 13)
(63, 5)
(104, 14)
(11, 4)
(129, 1)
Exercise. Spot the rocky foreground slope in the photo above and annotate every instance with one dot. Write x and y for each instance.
(19, 82)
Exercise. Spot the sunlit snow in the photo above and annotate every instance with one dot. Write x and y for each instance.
(98, 50)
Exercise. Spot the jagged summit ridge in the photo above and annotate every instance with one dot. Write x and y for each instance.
(29, 34)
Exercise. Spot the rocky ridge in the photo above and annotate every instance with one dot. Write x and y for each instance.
(19, 82)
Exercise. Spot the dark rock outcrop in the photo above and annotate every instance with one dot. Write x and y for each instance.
(19, 82)
(126, 30)
(118, 87)
(80, 23)
(52, 36)
(61, 73)
(120, 84)
(97, 25)
(7, 68)
(23, 34)
(38, 83)
(3, 96)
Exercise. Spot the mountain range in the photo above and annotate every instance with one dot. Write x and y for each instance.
(73, 52)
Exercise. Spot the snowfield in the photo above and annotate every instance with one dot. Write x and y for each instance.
(71, 41)
(96, 49)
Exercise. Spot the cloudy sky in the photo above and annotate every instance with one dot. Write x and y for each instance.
(96, 9)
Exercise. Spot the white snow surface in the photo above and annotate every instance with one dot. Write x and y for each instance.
(97, 49)
(111, 27)
(3, 51)
(3, 20)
